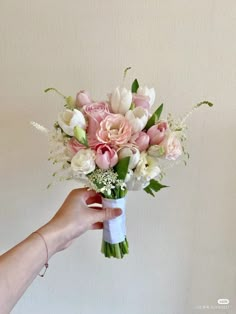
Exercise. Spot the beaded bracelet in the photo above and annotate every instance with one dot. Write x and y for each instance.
(46, 264)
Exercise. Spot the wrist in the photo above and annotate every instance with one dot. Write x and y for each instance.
(53, 238)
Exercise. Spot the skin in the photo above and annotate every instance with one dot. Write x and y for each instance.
(20, 265)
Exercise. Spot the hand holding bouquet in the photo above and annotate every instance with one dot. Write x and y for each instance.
(116, 145)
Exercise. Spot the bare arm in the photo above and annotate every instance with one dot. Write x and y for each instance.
(20, 265)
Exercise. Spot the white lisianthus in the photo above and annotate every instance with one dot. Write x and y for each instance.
(134, 183)
(68, 119)
(147, 167)
(137, 119)
(121, 100)
(156, 151)
(150, 92)
(132, 152)
(83, 161)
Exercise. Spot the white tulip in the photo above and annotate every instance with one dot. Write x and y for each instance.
(121, 100)
(83, 161)
(147, 168)
(68, 119)
(137, 119)
(150, 92)
(132, 152)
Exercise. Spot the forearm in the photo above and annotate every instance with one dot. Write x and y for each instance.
(20, 265)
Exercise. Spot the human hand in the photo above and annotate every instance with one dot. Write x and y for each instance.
(76, 215)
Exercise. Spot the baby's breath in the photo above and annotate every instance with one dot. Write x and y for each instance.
(106, 182)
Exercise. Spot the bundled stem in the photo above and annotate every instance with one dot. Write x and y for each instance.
(117, 250)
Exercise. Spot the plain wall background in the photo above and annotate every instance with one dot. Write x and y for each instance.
(183, 252)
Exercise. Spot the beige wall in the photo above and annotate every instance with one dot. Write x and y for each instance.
(183, 241)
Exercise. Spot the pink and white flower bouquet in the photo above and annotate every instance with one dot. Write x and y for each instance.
(116, 145)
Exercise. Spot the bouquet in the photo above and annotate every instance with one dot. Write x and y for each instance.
(116, 145)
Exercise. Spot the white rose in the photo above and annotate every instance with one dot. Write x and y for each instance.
(150, 92)
(83, 161)
(68, 119)
(137, 119)
(147, 167)
(132, 152)
(121, 100)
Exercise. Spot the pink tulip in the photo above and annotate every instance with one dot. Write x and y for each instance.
(141, 101)
(141, 140)
(106, 157)
(157, 132)
(82, 98)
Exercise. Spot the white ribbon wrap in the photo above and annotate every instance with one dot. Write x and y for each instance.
(114, 230)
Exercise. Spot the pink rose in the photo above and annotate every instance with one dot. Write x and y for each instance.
(172, 146)
(141, 140)
(73, 146)
(157, 132)
(114, 130)
(106, 157)
(82, 98)
(95, 112)
(141, 101)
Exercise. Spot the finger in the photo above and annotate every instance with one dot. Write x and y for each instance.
(94, 199)
(97, 225)
(107, 214)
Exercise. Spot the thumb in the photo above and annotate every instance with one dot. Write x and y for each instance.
(107, 214)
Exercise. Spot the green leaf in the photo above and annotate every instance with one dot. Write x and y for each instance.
(154, 186)
(135, 86)
(80, 135)
(155, 117)
(122, 168)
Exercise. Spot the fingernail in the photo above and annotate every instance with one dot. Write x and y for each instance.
(117, 211)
